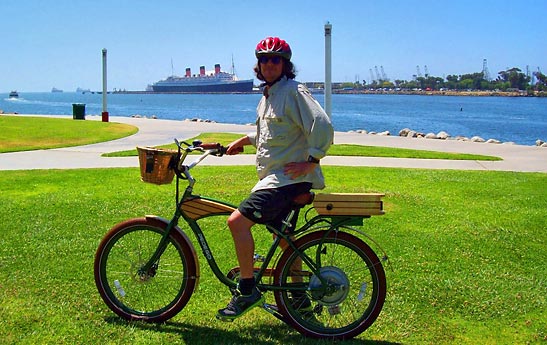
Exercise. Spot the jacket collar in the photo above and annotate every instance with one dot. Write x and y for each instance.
(267, 87)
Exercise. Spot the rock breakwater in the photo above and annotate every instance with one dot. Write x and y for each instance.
(442, 135)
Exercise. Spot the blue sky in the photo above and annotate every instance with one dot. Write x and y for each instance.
(58, 43)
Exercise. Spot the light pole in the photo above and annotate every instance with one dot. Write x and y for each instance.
(105, 112)
(328, 70)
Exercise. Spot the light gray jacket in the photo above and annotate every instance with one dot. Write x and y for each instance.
(291, 126)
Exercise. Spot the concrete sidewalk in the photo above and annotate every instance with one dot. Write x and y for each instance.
(158, 132)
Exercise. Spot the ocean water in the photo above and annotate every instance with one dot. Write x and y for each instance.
(521, 120)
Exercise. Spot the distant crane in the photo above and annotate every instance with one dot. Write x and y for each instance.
(485, 73)
(377, 74)
(418, 72)
(426, 72)
(384, 76)
(531, 75)
(535, 77)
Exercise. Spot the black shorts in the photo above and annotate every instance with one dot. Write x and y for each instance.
(271, 206)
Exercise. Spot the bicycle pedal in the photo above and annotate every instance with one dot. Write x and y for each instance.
(270, 307)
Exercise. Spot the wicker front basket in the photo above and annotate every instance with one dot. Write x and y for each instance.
(154, 165)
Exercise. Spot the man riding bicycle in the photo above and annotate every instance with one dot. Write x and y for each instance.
(293, 134)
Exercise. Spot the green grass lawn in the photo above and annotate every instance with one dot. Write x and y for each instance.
(335, 150)
(23, 133)
(467, 257)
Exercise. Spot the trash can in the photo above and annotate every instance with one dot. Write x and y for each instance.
(78, 111)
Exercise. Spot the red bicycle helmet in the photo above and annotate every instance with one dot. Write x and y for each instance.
(273, 46)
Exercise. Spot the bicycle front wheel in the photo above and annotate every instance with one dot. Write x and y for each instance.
(347, 295)
(152, 296)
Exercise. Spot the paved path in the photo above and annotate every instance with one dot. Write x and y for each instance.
(158, 132)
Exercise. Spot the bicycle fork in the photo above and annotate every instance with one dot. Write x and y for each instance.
(150, 267)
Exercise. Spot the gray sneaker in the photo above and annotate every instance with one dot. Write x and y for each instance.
(239, 305)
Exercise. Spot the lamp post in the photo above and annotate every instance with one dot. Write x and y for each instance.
(328, 70)
(105, 112)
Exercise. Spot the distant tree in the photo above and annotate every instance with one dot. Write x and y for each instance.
(348, 85)
(542, 78)
(541, 81)
(410, 85)
(433, 83)
(500, 85)
(485, 85)
(451, 82)
(476, 80)
(420, 81)
(515, 77)
(465, 84)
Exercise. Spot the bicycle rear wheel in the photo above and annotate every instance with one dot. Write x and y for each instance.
(152, 296)
(353, 296)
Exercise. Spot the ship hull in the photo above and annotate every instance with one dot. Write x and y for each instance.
(227, 87)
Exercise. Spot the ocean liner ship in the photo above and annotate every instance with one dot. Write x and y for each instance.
(213, 82)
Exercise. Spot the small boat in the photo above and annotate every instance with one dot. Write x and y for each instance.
(82, 91)
(56, 90)
(13, 94)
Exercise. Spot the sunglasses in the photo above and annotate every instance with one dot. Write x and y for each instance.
(274, 59)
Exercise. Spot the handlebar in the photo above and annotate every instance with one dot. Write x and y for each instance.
(183, 171)
(215, 149)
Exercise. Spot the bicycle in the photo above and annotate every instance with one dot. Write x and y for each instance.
(147, 268)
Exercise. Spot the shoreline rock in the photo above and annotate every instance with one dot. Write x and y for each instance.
(442, 135)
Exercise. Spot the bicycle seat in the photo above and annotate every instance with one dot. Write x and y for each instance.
(303, 199)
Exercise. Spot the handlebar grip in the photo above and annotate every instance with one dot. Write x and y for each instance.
(221, 150)
(210, 146)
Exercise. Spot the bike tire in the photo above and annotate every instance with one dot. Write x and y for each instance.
(356, 274)
(156, 296)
